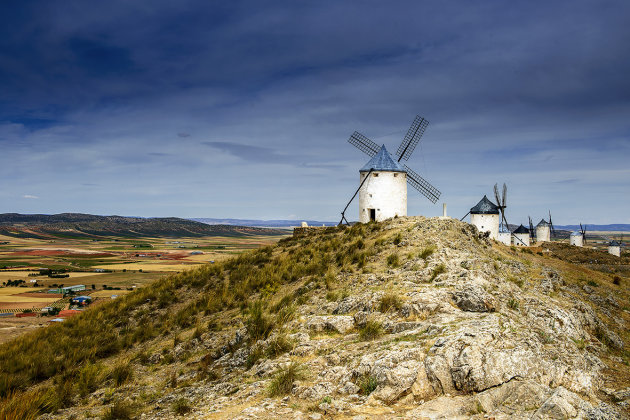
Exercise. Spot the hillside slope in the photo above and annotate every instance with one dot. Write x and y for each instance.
(88, 225)
(409, 318)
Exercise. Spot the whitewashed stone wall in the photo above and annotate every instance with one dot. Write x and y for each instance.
(486, 223)
(386, 192)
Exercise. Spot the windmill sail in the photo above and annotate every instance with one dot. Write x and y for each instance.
(412, 138)
(422, 185)
(364, 144)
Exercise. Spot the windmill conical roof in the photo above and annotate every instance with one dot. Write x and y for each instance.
(521, 229)
(383, 161)
(485, 206)
(614, 243)
(542, 222)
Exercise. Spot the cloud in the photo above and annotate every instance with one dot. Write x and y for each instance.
(29, 196)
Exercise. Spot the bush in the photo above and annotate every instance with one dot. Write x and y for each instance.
(513, 304)
(371, 331)
(367, 383)
(118, 411)
(616, 280)
(427, 251)
(88, 380)
(121, 373)
(437, 271)
(393, 260)
(283, 380)
(280, 344)
(258, 324)
(390, 301)
(181, 406)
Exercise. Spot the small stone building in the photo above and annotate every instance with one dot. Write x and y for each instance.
(521, 236)
(614, 248)
(543, 231)
(383, 195)
(485, 216)
(576, 238)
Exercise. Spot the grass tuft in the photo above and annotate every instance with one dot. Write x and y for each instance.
(371, 331)
(283, 380)
(390, 301)
(181, 406)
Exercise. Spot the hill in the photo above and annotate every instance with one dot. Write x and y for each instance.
(409, 318)
(265, 223)
(87, 225)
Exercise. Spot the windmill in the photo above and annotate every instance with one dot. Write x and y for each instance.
(583, 232)
(532, 233)
(501, 204)
(553, 230)
(380, 197)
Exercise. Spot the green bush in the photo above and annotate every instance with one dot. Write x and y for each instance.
(118, 411)
(427, 251)
(283, 380)
(437, 271)
(121, 373)
(367, 383)
(371, 330)
(181, 406)
(258, 324)
(390, 301)
(89, 379)
(393, 260)
(278, 345)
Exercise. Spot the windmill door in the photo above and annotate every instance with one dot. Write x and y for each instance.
(372, 215)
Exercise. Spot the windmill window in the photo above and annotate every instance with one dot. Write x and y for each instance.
(375, 174)
(395, 175)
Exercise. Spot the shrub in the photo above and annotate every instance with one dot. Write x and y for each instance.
(285, 314)
(28, 406)
(393, 260)
(283, 380)
(259, 325)
(181, 406)
(517, 281)
(390, 301)
(592, 283)
(513, 304)
(616, 280)
(397, 238)
(367, 383)
(118, 411)
(278, 345)
(427, 251)
(371, 330)
(121, 373)
(437, 271)
(88, 380)
(255, 354)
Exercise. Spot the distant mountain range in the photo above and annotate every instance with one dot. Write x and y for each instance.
(600, 228)
(264, 223)
(88, 225)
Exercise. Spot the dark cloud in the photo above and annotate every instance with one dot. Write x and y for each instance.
(527, 93)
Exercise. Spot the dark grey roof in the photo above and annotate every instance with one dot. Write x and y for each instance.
(383, 161)
(614, 243)
(485, 206)
(521, 229)
(542, 222)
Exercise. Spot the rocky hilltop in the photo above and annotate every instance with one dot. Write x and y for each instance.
(410, 318)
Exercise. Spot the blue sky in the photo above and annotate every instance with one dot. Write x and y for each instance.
(243, 109)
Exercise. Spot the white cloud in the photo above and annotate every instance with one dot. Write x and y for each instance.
(30, 196)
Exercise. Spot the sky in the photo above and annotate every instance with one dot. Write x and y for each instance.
(243, 109)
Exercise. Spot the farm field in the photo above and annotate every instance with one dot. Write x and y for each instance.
(105, 265)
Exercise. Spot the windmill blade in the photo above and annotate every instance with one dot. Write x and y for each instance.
(504, 195)
(412, 138)
(422, 185)
(531, 229)
(364, 144)
(496, 195)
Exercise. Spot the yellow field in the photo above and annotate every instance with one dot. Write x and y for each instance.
(23, 275)
(8, 291)
(147, 266)
(9, 295)
(109, 293)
